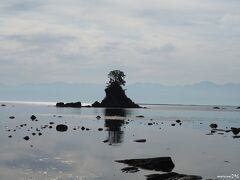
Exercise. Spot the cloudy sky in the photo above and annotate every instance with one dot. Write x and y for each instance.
(160, 41)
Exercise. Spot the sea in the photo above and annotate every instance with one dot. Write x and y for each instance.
(93, 139)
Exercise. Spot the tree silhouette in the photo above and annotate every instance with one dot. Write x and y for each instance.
(116, 77)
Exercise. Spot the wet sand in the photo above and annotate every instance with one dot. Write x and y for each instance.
(44, 142)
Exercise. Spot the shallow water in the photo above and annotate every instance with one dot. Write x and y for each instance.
(91, 154)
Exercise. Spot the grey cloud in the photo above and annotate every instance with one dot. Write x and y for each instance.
(166, 48)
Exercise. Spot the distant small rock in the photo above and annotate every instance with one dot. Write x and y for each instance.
(178, 121)
(10, 136)
(83, 128)
(173, 124)
(61, 127)
(100, 129)
(235, 130)
(238, 107)
(98, 117)
(11, 117)
(39, 134)
(26, 138)
(216, 107)
(51, 122)
(33, 117)
(140, 140)
(96, 104)
(72, 104)
(213, 125)
(140, 116)
(150, 124)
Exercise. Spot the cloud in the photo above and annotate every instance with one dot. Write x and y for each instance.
(80, 41)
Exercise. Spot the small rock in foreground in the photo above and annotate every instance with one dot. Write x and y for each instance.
(140, 116)
(33, 117)
(26, 138)
(172, 176)
(130, 169)
(11, 117)
(213, 125)
(140, 140)
(61, 127)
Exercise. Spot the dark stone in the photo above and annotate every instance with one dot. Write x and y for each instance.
(96, 104)
(39, 134)
(235, 130)
(140, 140)
(238, 107)
(33, 134)
(172, 124)
(236, 137)
(164, 164)
(51, 123)
(172, 176)
(10, 136)
(150, 124)
(3, 105)
(100, 129)
(178, 121)
(26, 138)
(130, 169)
(11, 117)
(33, 117)
(213, 125)
(140, 116)
(50, 127)
(60, 104)
(72, 104)
(116, 97)
(98, 117)
(216, 107)
(83, 128)
(61, 127)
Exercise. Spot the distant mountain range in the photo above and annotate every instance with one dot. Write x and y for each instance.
(199, 93)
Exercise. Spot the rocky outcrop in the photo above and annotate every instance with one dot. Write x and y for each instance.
(163, 164)
(116, 97)
(72, 104)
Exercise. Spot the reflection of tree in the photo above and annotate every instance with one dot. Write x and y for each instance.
(115, 133)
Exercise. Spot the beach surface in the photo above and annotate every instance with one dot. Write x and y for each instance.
(41, 141)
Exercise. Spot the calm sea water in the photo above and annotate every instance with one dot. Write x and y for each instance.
(91, 154)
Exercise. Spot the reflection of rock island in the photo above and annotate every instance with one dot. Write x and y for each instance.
(113, 126)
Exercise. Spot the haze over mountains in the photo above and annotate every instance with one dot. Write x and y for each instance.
(200, 93)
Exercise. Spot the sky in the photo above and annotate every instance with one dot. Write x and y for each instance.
(170, 42)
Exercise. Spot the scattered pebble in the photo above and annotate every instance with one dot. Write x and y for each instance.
(11, 117)
(33, 117)
(140, 116)
(26, 138)
(140, 140)
(213, 125)
(61, 128)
